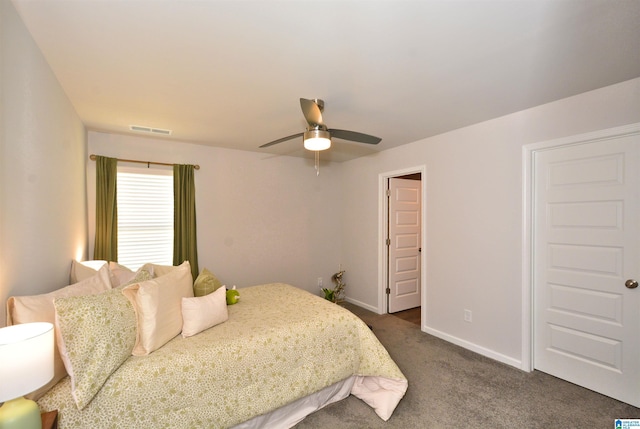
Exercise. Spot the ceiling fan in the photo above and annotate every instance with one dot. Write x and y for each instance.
(317, 137)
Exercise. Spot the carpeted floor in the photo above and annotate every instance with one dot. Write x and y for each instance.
(412, 315)
(451, 387)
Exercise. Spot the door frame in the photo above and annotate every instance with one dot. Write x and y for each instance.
(528, 151)
(383, 220)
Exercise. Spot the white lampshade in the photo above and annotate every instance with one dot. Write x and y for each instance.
(26, 358)
(317, 140)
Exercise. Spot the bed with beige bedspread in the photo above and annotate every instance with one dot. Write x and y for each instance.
(279, 344)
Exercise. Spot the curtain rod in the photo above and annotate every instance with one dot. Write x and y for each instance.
(92, 157)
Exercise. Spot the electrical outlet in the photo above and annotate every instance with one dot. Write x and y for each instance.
(468, 316)
(319, 281)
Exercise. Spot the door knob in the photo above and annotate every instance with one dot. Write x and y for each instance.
(631, 283)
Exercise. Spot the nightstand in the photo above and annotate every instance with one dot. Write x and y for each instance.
(50, 420)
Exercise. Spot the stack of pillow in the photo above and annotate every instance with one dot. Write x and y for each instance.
(111, 312)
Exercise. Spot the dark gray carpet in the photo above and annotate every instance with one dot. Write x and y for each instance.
(451, 387)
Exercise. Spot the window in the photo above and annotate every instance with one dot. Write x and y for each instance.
(145, 216)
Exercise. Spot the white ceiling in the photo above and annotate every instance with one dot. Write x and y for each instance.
(230, 73)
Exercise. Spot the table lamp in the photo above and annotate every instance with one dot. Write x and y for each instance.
(26, 364)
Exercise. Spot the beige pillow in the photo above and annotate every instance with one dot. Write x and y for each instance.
(122, 275)
(141, 275)
(161, 270)
(158, 306)
(39, 308)
(206, 283)
(95, 335)
(82, 270)
(203, 312)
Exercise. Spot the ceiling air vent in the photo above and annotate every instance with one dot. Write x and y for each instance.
(150, 130)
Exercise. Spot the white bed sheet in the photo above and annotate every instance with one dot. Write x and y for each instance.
(293, 413)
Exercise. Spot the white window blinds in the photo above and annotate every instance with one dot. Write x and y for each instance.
(145, 217)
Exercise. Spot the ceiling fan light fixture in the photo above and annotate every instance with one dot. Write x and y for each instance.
(317, 140)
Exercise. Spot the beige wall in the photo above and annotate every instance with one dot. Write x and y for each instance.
(473, 215)
(260, 218)
(43, 193)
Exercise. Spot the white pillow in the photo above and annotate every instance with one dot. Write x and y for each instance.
(158, 306)
(203, 312)
(39, 308)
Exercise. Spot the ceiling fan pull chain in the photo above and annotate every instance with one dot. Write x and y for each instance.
(317, 163)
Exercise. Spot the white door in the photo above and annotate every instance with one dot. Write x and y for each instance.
(586, 240)
(404, 244)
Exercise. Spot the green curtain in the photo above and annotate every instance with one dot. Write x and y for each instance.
(106, 242)
(185, 245)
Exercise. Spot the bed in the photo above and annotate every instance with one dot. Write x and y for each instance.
(281, 354)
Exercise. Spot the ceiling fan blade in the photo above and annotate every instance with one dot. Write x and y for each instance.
(283, 139)
(311, 111)
(354, 136)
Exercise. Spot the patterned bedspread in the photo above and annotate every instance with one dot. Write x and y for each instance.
(280, 344)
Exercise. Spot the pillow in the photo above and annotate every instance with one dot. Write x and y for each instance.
(158, 306)
(39, 308)
(140, 276)
(123, 275)
(161, 270)
(95, 335)
(205, 283)
(83, 270)
(203, 312)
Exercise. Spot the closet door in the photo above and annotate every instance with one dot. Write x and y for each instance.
(587, 261)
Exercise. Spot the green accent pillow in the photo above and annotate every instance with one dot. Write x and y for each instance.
(206, 283)
(95, 335)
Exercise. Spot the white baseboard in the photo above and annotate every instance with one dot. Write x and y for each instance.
(455, 340)
(474, 347)
(362, 304)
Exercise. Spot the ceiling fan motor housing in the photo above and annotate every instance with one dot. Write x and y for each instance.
(317, 139)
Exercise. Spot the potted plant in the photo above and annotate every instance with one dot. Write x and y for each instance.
(336, 294)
